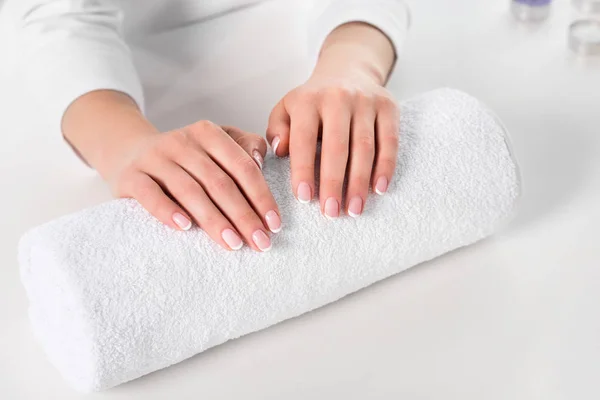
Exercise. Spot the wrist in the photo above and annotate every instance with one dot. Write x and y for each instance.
(357, 48)
(104, 127)
(343, 60)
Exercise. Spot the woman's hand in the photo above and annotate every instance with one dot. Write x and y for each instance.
(345, 104)
(204, 173)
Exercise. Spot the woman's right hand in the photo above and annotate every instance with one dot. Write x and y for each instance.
(204, 174)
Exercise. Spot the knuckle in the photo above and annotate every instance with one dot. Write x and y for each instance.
(365, 142)
(250, 140)
(386, 103)
(265, 202)
(198, 129)
(202, 161)
(188, 187)
(212, 221)
(242, 141)
(340, 145)
(359, 181)
(258, 140)
(338, 137)
(247, 166)
(303, 169)
(333, 184)
(339, 94)
(203, 125)
(387, 163)
(222, 183)
(247, 218)
(364, 100)
(391, 138)
(305, 96)
(175, 138)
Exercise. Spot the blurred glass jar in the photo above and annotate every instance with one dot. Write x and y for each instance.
(531, 10)
(584, 32)
(587, 6)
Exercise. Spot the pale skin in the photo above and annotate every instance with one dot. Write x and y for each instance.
(210, 175)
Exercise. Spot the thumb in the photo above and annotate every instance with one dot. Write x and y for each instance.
(253, 144)
(278, 131)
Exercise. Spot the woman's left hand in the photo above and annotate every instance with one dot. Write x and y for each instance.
(357, 120)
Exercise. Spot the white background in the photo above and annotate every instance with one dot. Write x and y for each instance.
(514, 317)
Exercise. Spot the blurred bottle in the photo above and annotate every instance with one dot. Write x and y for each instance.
(531, 10)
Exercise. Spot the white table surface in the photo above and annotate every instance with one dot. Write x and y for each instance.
(514, 317)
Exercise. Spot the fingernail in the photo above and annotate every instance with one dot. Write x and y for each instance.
(355, 207)
(304, 195)
(273, 221)
(332, 208)
(275, 144)
(232, 239)
(182, 221)
(261, 240)
(381, 186)
(258, 158)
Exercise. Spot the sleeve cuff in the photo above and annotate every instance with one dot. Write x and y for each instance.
(392, 17)
(59, 75)
(56, 76)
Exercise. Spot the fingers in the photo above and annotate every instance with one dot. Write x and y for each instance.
(224, 192)
(362, 155)
(387, 132)
(194, 199)
(304, 133)
(151, 196)
(205, 175)
(253, 144)
(278, 130)
(245, 175)
(336, 115)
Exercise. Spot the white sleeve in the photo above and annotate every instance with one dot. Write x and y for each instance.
(392, 17)
(66, 48)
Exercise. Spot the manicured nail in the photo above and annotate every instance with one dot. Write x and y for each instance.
(273, 221)
(232, 239)
(381, 186)
(261, 240)
(182, 221)
(355, 207)
(275, 144)
(332, 208)
(304, 195)
(258, 158)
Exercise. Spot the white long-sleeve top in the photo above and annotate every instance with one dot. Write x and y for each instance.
(67, 48)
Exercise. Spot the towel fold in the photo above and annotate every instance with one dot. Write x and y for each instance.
(115, 295)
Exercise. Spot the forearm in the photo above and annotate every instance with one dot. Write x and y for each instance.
(357, 47)
(103, 126)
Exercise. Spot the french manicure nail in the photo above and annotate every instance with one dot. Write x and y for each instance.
(332, 208)
(182, 221)
(355, 207)
(381, 186)
(304, 195)
(232, 239)
(275, 144)
(261, 240)
(273, 221)
(258, 158)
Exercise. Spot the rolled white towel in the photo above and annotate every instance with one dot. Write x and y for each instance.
(115, 295)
